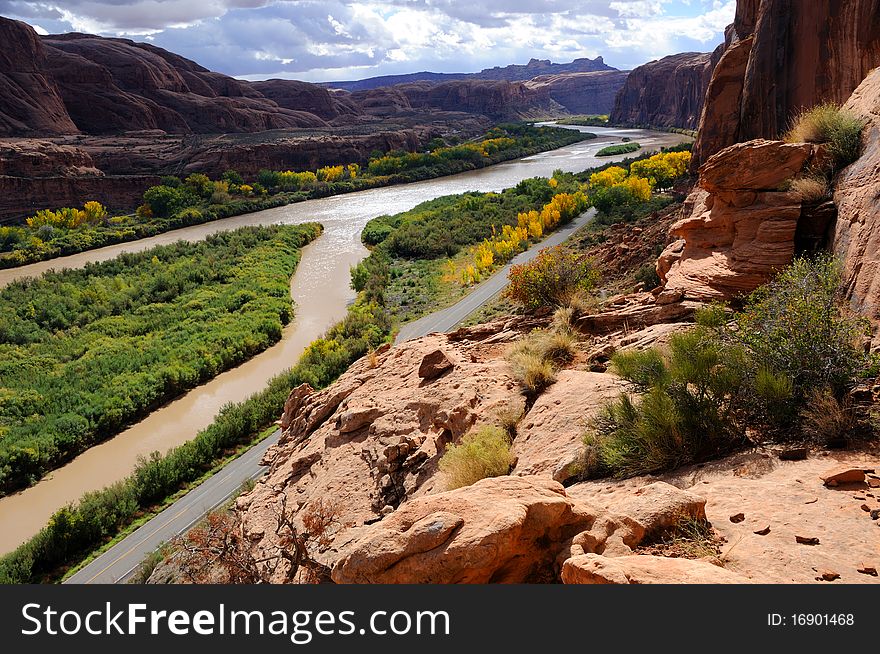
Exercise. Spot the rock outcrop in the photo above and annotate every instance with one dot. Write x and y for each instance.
(668, 92)
(30, 102)
(582, 93)
(111, 85)
(793, 55)
(856, 235)
(499, 530)
(644, 569)
(373, 439)
(496, 99)
(739, 225)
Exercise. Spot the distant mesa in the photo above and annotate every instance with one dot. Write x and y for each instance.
(511, 73)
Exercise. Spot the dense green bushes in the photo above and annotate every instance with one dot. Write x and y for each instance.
(588, 120)
(623, 148)
(782, 367)
(85, 352)
(443, 226)
(77, 529)
(685, 411)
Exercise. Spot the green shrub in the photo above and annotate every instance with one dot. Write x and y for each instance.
(623, 148)
(797, 326)
(482, 453)
(553, 278)
(839, 130)
(687, 411)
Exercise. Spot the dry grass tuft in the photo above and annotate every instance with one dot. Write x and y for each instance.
(810, 189)
(482, 453)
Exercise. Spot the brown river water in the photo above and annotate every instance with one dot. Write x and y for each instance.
(320, 289)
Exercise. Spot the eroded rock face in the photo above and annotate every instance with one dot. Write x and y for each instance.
(857, 196)
(583, 93)
(31, 101)
(549, 438)
(668, 92)
(738, 227)
(801, 53)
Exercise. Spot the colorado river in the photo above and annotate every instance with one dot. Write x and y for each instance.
(320, 289)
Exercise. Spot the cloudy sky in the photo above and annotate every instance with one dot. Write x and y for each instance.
(323, 40)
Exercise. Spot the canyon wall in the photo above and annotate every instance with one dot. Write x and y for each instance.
(740, 225)
(30, 101)
(782, 56)
(668, 92)
(582, 93)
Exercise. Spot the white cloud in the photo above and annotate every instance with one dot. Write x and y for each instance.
(322, 39)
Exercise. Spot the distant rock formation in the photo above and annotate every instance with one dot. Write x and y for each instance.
(668, 92)
(582, 93)
(496, 99)
(511, 73)
(115, 85)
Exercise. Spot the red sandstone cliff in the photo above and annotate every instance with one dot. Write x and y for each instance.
(668, 92)
(582, 93)
(785, 55)
(30, 101)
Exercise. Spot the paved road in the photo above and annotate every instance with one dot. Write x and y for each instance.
(447, 319)
(119, 563)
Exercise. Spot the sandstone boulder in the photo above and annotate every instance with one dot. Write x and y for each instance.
(758, 165)
(504, 529)
(644, 569)
(434, 364)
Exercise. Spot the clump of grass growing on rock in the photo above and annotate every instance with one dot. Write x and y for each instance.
(536, 357)
(811, 188)
(482, 453)
(827, 123)
(826, 418)
(533, 371)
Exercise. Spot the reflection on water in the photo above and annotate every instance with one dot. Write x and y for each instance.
(320, 289)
